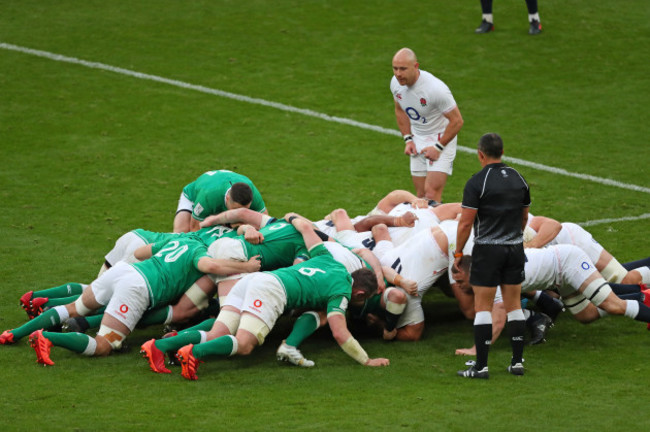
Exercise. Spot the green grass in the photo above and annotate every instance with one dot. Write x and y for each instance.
(87, 155)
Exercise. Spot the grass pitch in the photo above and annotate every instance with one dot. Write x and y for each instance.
(88, 154)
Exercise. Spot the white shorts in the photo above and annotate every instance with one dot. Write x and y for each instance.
(259, 294)
(124, 293)
(184, 204)
(420, 165)
(227, 248)
(575, 268)
(576, 235)
(124, 248)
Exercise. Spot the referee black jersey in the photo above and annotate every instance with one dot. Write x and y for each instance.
(499, 193)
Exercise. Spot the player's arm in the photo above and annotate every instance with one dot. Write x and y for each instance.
(393, 198)
(306, 228)
(453, 127)
(406, 220)
(348, 343)
(376, 266)
(465, 298)
(447, 211)
(224, 267)
(395, 279)
(341, 220)
(251, 235)
(195, 225)
(467, 216)
(404, 125)
(237, 216)
(143, 252)
(546, 228)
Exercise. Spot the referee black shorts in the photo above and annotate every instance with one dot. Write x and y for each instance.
(494, 265)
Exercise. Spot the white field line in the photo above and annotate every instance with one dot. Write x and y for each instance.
(306, 112)
(613, 220)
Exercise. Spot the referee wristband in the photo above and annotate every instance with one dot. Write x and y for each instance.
(439, 146)
(408, 138)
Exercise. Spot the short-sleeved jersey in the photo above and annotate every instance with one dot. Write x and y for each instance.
(150, 237)
(499, 193)
(343, 254)
(208, 193)
(172, 269)
(319, 283)
(206, 235)
(211, 234)
(281, 246)
(425, 103)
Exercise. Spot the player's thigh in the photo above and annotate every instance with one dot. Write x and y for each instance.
(265, 299)
(251, 330)
(130, 299)
(412, 314)
(236, 295)
(124, 248)
(195, 299)
(411, 332)
(101, 290)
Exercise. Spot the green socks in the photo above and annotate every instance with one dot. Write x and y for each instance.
(58, 301)
(305, 326)
(46, 320)
(180, 340)
(221, 346)
(76, 342)
(65, 290)
(156, 316)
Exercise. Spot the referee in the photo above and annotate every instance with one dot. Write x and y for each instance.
(495, 202)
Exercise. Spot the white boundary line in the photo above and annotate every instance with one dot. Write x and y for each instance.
(621, 219)
(306, 112)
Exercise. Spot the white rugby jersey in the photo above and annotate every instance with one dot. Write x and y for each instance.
(425, 103)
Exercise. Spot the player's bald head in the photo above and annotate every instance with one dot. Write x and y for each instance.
(405, 54)
(406, 67)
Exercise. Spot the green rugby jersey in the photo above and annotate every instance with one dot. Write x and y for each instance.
(206, 235)
(281, 246)
(319, 283)
(152, 237)
(211, 234)
(208, 193)
(172, 269)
